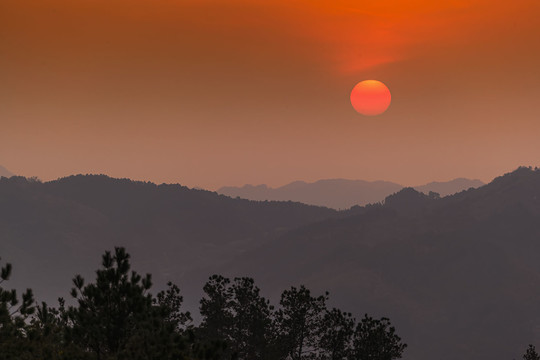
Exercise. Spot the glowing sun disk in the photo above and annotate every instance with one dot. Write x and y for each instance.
(370, 97)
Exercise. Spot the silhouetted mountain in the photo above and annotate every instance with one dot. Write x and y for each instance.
(51, 231)
(446, 188)
(459, 275)
(5, 172)
(340, 193)
(333, 193)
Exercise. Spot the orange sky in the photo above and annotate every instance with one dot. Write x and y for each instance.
(212, 92)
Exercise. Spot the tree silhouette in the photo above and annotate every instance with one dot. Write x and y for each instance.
(337, 330)
(170, 302)
(251, 325)
(531, 354)
(116, 317)
(298, 322)
(215, 309)
(13, 314)
(236, 313)
(376, 340)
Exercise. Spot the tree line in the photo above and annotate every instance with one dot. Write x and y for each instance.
(117, 317)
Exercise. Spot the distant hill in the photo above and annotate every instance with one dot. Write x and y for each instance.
(51, 231)
(459, 276)
(451, 187)
(5, 172)
(341, 193)
(333, 193)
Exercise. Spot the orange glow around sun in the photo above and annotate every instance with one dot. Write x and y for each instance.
(370, 97)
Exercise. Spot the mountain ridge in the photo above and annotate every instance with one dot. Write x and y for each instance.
(67, 223)
(445, 269)
(341, 193)
(5, 172)
(461, 269)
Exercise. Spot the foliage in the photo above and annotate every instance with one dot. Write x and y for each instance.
(531, 354)
(236, 313)
(13, 316)
(376, 340)
(112, 310)
(298, 322)
(116, 317)
(170, 302)
(336, 334)
(251, 324)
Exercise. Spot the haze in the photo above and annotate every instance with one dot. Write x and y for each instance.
(212, 93)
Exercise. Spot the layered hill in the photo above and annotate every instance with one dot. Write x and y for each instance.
(460, 275)
(341, 193)
(51, 231)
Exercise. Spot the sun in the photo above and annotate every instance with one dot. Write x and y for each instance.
(370, 97)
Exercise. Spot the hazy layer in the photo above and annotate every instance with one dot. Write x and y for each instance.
(209, 93)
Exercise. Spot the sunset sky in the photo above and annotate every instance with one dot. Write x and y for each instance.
(227, 92)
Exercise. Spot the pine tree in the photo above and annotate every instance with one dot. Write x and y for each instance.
(13, 316)
(251, 325)
(376, 340)
(215, 309)
(236, 313)
(298, 323)
(531, 354)
(336, 334)
(116, 317)
(170, 302)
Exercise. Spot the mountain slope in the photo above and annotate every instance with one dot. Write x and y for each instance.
(51, 231)
(446, 188)
(340, 193)
(459, 275)
(5, 172)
